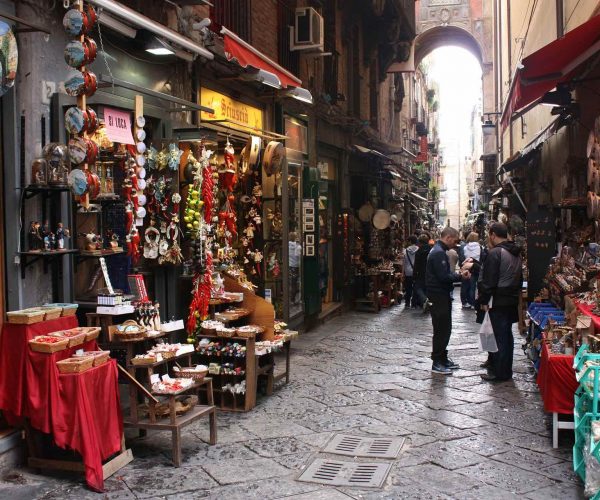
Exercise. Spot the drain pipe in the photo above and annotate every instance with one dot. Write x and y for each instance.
(142, 21)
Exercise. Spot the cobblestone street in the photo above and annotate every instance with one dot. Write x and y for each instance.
(363, 374)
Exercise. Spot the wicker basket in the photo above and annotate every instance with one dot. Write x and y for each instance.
(250, 334)
(143, 361)
(226, 333)
(100, 357)
(37, 346)
(75, 365)
(66, 309)
(26, 316)
(191, 373)
(209, 332)
(91, 332)
(52, 313)
(134, 331)
(74, 336)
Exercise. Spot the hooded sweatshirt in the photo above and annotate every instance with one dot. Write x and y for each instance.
(502, 276)
(409, 260)
(472, 250)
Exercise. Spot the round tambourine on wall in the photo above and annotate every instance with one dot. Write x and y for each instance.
(9, 58)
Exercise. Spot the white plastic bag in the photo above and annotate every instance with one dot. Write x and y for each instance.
(487, 340)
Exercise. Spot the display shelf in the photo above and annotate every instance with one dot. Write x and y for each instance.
(31, 257)
(162, 362)
(191, 387)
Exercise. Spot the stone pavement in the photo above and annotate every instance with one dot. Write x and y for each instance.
(365, 374)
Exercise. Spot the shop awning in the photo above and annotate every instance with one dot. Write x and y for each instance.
(521, 158)
(246, 55)
(554, 63)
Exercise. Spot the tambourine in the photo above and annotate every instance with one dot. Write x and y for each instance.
(381, 219)
(76, 120)
(140, 147)
(140, 213)
(78, 23)
(140, 160)
(78, 54)
(93, 183)
(274, 158)
(77, 150)
(141, 184)
(92, 150)
(142, 200)
(81, 83)
(9, 55)
(251, 153)
(78, 182)
(92, 120)
(140, 134)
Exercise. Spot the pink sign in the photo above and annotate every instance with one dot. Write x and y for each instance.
(118, 126)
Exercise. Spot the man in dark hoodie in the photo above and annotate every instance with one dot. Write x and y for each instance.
(501, 281)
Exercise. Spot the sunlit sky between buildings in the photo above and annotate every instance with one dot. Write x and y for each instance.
(458, 76)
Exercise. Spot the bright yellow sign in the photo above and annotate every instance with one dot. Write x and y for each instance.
(237, 114)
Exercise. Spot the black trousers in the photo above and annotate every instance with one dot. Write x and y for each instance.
(441, 319)
(408, 290)
(502, 320)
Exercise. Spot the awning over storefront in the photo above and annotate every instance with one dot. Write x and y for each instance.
(554, 63)
(524, 156)
(246, 55)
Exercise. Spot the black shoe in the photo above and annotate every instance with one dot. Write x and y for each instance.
(427, 306)
(451, 364)
(488, 377)
(486, 364)
(439, 367)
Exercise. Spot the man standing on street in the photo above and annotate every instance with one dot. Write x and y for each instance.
(501, 281)
(440, 279)
(409, 266)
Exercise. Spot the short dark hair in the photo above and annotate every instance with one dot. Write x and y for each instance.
(499, 230)
(449, 231)
(424, 239)
(412, 239)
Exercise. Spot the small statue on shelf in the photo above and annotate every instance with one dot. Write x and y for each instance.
(62, 234)
(49, 242)
(35, 239)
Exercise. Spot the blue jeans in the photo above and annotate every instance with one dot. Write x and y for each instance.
(502, 360)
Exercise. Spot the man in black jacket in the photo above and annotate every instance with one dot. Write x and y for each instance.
(502, 281)
(440, 281)
(420, 299)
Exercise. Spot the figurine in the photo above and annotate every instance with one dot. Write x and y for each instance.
(49, 242)
(61, 234)
(36, 242)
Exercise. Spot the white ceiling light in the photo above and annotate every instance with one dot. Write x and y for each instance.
(299, 94)
(262, 76)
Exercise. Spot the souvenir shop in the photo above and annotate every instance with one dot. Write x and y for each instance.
(173, 234)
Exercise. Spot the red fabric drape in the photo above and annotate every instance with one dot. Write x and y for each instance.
(81, 411)
(557, 382)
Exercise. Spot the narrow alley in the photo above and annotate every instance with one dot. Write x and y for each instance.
(366, 375)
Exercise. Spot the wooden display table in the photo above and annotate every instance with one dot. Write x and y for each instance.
(175, 423)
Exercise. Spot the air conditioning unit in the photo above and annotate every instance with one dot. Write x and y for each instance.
(308, 32)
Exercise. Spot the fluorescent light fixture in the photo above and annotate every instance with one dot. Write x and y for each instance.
(299, 94)
(116, 25)
(265, 77)
(159, 48)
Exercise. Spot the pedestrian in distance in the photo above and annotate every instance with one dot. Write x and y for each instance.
(472, 251)
(420, 268)
(501, 281)
(409, 266)
(440, 279)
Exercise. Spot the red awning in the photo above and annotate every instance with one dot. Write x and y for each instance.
(554, 63)
(246, 55)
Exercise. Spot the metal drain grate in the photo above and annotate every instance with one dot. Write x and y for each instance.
(361, 446)
(360, 474)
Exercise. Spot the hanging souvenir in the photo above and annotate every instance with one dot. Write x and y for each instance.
(174, 156)
(78, 182)
(151, 154)
(9, 58)
(151, 248)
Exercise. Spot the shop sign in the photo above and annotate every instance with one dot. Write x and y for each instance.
(118, 126)
(323, 167)
(238, 114)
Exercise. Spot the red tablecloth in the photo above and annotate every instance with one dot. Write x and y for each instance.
(557, 382)
(81, 411)
(587, 310)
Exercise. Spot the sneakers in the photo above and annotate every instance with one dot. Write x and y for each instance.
(441, 368)
(466, 306)
(451, 364)
(427, 306)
